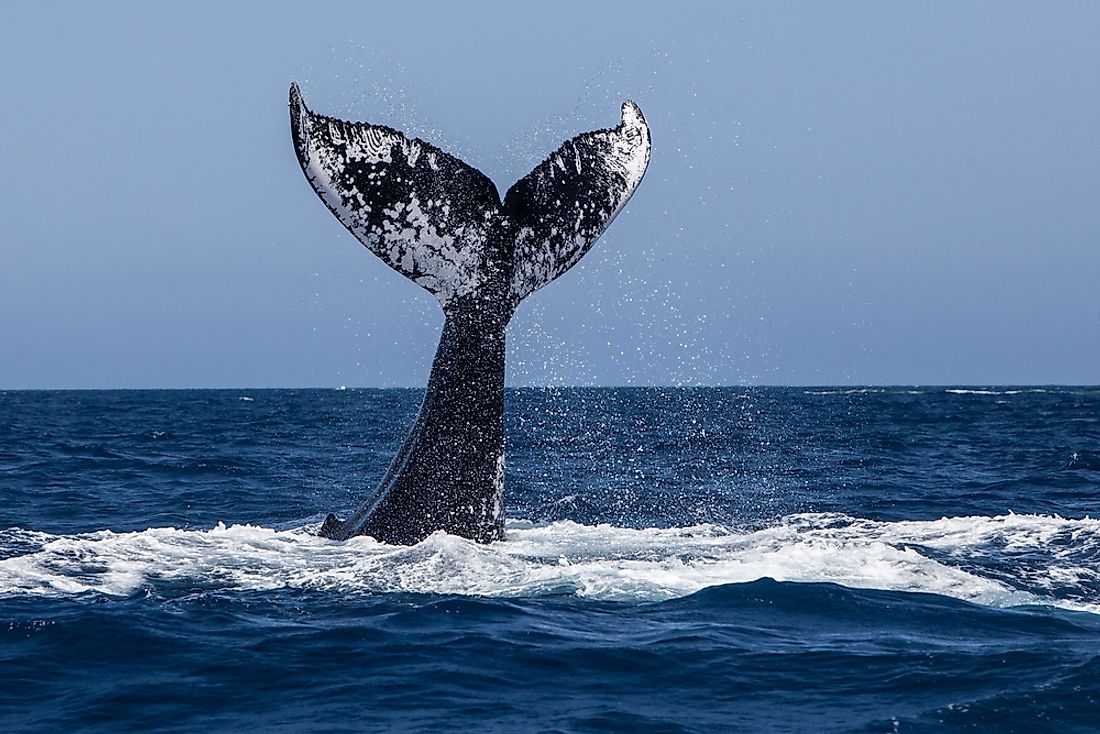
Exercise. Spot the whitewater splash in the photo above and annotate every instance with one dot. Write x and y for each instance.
(1003, 561)
(925, 391)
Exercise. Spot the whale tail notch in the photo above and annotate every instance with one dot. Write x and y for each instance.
(441, 223)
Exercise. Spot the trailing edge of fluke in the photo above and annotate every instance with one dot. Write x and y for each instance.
(442, 224)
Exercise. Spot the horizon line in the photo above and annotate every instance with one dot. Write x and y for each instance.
(807, 386)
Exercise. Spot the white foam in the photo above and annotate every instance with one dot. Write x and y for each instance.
(923, 391)
(601, 562)
(975, 391)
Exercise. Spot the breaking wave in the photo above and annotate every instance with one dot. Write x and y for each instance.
(1002, 561)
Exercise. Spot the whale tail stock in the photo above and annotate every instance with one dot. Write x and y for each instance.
(442, 224)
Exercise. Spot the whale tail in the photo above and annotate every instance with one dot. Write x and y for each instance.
(441, 223)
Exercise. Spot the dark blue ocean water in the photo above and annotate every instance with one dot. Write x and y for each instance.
(677, 560)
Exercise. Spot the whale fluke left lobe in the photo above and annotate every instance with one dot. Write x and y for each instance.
(424, 212)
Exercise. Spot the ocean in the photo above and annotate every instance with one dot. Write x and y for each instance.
(676, 560)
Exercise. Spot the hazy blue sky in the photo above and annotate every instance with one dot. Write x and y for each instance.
(839, 192)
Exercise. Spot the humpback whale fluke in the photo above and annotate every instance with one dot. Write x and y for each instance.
(442, 224)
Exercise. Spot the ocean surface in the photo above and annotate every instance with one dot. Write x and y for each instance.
(676, 560)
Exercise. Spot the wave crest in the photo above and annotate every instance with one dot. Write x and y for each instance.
(1007, 560)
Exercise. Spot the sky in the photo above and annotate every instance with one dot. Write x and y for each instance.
(839, 193)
